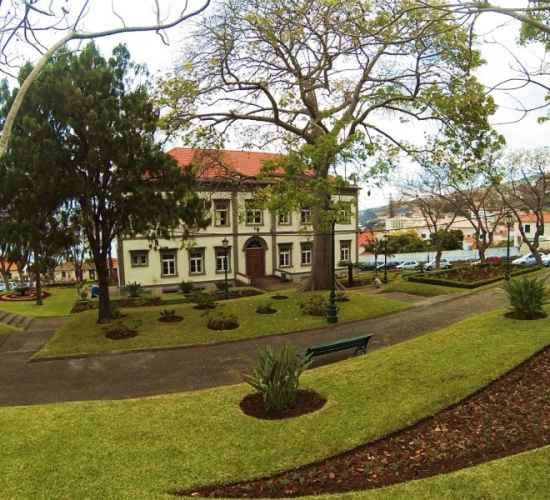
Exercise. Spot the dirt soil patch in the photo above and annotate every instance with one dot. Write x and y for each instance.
(307, 401)
(510, 415)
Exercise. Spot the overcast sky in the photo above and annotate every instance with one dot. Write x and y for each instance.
(499, 41)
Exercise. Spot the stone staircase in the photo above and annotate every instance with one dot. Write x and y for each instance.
(15, 320)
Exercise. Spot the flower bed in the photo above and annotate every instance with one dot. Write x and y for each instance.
(27, 297)
(467, 277)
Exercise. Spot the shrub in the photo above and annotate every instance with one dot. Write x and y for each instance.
(276, 377)
(169, 316)
(22, 290)
(244, 291)
(527, 297)
(223, 321)
(341, 297)
(116, 313)
(119, 330)
(134, 289)
(265, 308)
(186, 287)
(203, 300)
(314, 305)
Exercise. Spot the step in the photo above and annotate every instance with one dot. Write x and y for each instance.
(8, 318)
(13, 320)
(3, 314)
(26, 322)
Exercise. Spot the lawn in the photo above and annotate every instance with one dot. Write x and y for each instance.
(141, 448)
(59, 303)
(6, 330)
(82, 335)
(422, 289)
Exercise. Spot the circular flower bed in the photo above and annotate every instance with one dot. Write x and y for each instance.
(31, 295)
(279, 297)
(171, 319)
(307, 401)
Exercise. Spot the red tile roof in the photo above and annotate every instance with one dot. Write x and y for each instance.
(364, 238)
(10, 266)
(531, 217)
(223, 163)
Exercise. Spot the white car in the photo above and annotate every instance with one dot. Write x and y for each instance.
(443, 264)
(525, 260)
(408, 264)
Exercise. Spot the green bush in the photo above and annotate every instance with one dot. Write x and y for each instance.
(314, 305)
(276, 377)
(223, 321)
(134, 289)
(527, 297)
(203, 300)
(186, 287)
(265, 308)
(120, 330)
(341, 297)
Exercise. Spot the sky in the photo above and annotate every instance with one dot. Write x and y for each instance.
(498, 43)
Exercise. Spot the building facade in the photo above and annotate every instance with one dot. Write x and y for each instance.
(242, 240)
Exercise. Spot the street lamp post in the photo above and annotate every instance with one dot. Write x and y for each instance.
(332, 310)
(225, 244)
(509, 222)
(386, 257)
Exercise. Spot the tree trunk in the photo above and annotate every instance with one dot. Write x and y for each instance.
(481, 251)
(321, 271)
(38, 286)
(438, 254)
(104, 312)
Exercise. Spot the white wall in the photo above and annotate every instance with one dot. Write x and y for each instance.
(448, 254)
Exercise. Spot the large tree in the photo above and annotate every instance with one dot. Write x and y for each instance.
(109, 163)
(319, 78)
(32, 23)
(523, 184)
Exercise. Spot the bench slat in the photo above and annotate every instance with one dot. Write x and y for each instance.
(360, 343)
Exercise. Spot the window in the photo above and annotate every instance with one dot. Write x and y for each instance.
(168, 264)
(196, 261)
(253, 213)
(305, 216)
(527, 228)
(305, 254)
(284, 219)
(221, 262)
(221, 212)
(139, 258)
(344, 214)
(345, 251)
(285, 255)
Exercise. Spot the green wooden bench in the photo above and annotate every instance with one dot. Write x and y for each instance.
(359, 343)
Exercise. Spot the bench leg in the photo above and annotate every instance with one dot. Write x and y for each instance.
(360, 350)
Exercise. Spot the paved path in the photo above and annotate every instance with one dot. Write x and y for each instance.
(166, 371)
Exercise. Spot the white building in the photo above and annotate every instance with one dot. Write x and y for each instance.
(258, 243)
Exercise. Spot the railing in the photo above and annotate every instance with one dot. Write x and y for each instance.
(243, 278)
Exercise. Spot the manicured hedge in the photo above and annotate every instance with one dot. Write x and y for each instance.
(433, 280)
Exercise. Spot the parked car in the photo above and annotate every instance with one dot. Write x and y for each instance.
(365, 266)
(546, 260)
(408, 265)
(2, 286)
(390, 265)
(525, 260)
(443, 264)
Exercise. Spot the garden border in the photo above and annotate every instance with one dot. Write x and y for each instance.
(421, 278)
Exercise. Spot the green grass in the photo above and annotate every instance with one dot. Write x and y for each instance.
(422, 289)
(7, 330)
(59, 303)
(82, 335)
(139, 449)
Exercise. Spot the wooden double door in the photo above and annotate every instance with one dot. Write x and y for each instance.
(255, 262)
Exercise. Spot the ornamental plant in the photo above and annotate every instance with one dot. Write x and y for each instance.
(134, 290)
(314, 305)
(527, 297)
(276, 377)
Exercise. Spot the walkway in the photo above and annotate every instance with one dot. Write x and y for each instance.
(158, 372)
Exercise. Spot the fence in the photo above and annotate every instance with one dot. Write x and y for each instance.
(450, 255)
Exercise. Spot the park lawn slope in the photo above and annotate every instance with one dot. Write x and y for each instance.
(82, 335)
(141, 448)
(7, 330)
(422, 289)
(59, 303)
